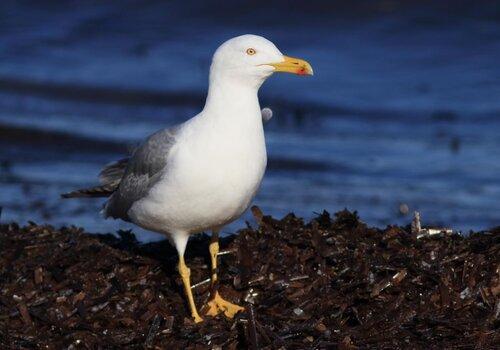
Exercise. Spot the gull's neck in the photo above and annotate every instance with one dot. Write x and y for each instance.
(232, 99)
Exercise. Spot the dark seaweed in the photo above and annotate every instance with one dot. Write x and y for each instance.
(330, 283)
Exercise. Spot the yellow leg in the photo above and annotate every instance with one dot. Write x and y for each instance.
(217, 304)
(214, 250)
(185, 274)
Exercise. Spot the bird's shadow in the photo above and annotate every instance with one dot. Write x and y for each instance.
(162, 251)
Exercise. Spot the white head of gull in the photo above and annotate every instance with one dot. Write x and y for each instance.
(204, 173)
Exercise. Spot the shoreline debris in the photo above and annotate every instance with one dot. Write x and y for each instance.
(332, 282)
(416, 228)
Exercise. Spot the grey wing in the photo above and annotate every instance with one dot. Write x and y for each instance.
(144, 168)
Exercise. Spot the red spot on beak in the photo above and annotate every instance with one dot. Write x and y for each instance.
(301, 71)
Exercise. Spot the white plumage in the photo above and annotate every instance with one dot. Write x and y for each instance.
(213, 171)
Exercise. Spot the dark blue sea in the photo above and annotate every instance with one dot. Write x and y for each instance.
(402, 114)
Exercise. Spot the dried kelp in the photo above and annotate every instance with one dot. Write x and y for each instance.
(331, 283)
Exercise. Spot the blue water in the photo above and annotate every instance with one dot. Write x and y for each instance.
(403, 108)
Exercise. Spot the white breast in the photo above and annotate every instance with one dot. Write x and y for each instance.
(213, 174)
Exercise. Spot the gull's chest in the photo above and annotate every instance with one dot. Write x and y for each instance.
(232, 161)
(213, 171)
(210, 181)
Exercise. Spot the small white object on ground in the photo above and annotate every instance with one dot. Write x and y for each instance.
(416, 228)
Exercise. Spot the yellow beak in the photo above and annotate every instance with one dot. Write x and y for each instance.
(293, 65)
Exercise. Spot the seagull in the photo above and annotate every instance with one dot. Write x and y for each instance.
(202, 174)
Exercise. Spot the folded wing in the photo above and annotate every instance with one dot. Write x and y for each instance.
(129, 179)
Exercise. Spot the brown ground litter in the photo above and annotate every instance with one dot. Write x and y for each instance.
(331, 283)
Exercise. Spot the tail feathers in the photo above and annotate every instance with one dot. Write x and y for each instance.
(113, 172)
(97, 191)
(110, 178)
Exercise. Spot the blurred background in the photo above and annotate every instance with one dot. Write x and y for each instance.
(402, 114)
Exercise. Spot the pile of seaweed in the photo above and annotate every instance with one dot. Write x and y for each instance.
(330, 283)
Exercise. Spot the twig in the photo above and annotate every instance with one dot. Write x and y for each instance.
(25, 315)
(153, 331)
(199, 284)
(416, 227)
(298, 278)
(225, 252)
(251, 328)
